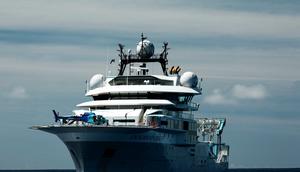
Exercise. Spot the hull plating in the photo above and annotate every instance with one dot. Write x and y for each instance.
(105, 149)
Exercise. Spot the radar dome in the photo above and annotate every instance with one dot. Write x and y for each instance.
(189, 79)
(95, 81)
(145, 49)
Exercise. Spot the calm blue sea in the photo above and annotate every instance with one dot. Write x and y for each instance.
(231, 170)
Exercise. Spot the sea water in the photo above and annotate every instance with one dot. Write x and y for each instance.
(230, 170)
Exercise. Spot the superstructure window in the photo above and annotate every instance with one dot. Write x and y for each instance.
(123, 120)
(185, 125)
(164, 123)
(184, 99)
(137, 80)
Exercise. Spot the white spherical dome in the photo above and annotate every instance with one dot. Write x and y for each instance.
(96, 80)
(147, 51)
(189, 79)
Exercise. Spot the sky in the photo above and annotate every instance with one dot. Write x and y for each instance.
(247, 53)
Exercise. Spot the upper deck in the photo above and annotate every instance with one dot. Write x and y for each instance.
(139, 83)
(142, 85)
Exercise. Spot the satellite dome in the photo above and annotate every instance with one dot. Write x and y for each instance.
(96, 80)
(145, 49)
(189, 79)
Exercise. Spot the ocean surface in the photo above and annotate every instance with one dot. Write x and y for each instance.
(230, 170)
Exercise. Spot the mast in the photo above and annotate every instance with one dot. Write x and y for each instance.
(126, 59)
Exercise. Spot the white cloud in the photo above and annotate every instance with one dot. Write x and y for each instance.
(249, 92)
(110, 15)
(236, 95)
(217, 97)
(18, 93)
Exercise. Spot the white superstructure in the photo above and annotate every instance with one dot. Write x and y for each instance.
(147, 121)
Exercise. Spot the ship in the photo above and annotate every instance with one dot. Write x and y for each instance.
(138, 121)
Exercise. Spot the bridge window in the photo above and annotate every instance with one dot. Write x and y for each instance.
(138, 80)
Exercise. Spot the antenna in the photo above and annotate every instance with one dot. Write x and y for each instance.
(142, 37)
(142, 46)
(106, 65)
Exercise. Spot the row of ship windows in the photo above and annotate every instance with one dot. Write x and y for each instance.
(174, 124)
